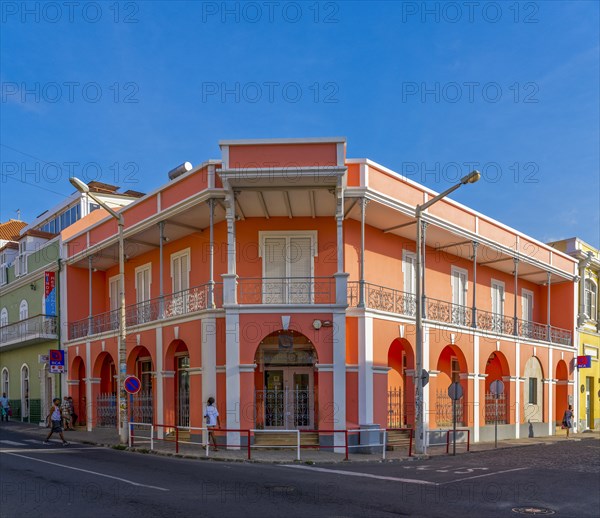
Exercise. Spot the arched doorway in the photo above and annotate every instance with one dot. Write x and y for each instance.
(106, 398)
(285, 382)
(533, 391)
(451, 364)
(178, 359)
(24, 392)
(562, 392)
(496, 406)
(400, 385)
(77, 390)
(140, 363)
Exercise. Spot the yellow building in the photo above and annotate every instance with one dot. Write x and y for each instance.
(588, 330)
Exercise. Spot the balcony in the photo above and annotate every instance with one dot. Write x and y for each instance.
(286, 290)
(176, 304)
(395, 301)
(31, 330)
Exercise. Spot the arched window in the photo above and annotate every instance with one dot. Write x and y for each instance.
(5, 380)
(3, 317)
(23, 310)
(589, 299)
(24, 391)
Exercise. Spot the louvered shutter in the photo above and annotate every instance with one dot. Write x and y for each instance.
(299, 260)
(275, 270)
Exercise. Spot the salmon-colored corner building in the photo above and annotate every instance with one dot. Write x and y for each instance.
(281, 281)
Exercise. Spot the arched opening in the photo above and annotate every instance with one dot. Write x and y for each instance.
(106, 399)
(24, 392)
(562, 391)
(140, 363)
(178, 359)
(285, 382)
(451, 365)
(533, 392)
(6, 382)
(400, 385)
(77, 390)
(496, 405)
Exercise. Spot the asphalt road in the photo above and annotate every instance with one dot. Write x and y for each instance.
(82, 480)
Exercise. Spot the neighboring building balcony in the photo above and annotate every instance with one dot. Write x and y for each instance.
(177, 304)
(29, 331)
(390, 300)
(286, 290)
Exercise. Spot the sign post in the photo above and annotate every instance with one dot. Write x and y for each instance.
(132, 385)
(496, 388)
(455, 391)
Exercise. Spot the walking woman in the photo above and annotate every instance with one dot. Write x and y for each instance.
(567, 421)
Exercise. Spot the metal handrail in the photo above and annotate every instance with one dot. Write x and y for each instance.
(286, 290)
(32, 326)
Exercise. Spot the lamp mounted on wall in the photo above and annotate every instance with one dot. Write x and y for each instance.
(33, 287)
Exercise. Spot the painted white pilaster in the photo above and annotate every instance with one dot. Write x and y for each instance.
(365, 370)
(476, 385)
(339, 375)
(551, 387)
(232, 375)
(426, 393)
(160, 405)
(88, 385)
(518, 389)
(209, 358)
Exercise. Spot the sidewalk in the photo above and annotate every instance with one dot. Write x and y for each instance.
(108, 437)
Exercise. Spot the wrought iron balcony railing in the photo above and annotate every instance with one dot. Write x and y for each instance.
(286, 290)
(171, 305)
(395, 301)
(42, 327)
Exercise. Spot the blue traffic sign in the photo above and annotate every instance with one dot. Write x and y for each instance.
(132, 384)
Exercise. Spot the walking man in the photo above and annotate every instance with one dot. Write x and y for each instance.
(55, 418)
(4, 407)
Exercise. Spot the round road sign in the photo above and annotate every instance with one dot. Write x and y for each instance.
(132, 384)
(497, 387)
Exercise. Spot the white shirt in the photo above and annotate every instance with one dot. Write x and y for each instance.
(4, 401)
(211, 413)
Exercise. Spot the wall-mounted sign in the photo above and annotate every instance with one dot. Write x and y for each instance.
(584, 362)
(57, 360)
(50, 293)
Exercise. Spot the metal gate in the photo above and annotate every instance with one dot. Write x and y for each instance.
(284, 408)
(395, 408)
(106, 409)
(143, 408)
(490, 408)
(443, 410)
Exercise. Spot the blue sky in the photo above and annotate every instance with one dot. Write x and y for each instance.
(124, 92)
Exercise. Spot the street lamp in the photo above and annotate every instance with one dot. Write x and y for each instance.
(420, 443)
(83, 188)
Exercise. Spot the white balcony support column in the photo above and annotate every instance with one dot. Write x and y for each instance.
(474, 305)
(551, 387)
(476, 388)
(161, 287)
(517, 389)
(209, 357)
(160, 410)
(230, 215)
(211, 251)
(88, 386)
(232, 376)
(361, 294)
(90, 308)
(515, 315)
(548, 333)
(339, 377)
(365, 370)
(423, 269)
(426, 392)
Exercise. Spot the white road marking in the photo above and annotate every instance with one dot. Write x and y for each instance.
(365, 475)
(481, 476)
(11, 443)
(62, 449)
(88, 471)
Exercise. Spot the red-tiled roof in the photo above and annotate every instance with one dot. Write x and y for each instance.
(9, 231)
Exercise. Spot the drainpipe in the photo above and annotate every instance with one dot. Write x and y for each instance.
(361, 294)
(515, 318)
(474, 310)
(211, 259)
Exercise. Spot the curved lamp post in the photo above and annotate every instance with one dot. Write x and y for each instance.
(420, 442)
(83, 188)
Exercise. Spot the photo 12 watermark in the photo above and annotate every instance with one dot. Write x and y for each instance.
(270, 92)
(53, 92)
(470, 12)
(270, 12)
(69, 12)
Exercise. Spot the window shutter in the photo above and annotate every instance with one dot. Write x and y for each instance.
(274, 264)
(409, 274)
(299, 257)
(176, 274)
(114, 294)
(184, 264)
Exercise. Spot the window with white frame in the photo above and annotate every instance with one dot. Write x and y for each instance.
(24, 391)
(288, 266)
(589, 300)
(180, 270)
(527, 312)
(3, 274)
(114, 300)
(459, 295)
(4, 317)
(454, 369)
(5, 382)
(498, 306)
(143, 282)
(23, 310)
(409, 266)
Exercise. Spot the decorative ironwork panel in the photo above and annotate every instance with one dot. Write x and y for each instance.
(143, 408)
(444, 410)
(284, 408)
(395, 408)
(490, 408)
(106, 410)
